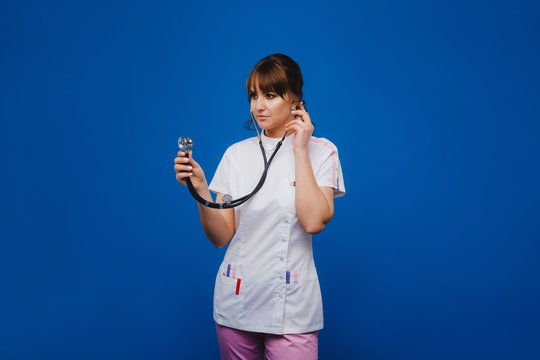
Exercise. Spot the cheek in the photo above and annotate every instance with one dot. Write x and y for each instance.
(283, 111)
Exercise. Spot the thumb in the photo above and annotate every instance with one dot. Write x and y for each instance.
(190, 157)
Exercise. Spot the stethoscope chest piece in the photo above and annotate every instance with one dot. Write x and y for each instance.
(185, 143)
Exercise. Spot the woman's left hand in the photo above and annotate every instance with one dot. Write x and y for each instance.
(303, 128)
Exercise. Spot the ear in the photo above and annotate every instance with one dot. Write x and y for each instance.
(291, 99)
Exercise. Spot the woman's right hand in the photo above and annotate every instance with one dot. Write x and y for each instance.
(186, 167)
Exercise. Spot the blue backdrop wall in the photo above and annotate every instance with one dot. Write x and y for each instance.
(434, 106)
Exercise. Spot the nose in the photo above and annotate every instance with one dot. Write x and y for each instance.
(258, 104)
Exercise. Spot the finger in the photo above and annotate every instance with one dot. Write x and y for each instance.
(296, 114)
(295, 127)
(181, 160)
(182, 153)
(300, 111)
(193, 162)
(296, 122)
(183, 175)
(298, 127)
(303, 114)
(182, 168)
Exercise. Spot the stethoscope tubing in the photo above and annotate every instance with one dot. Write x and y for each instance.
(243, 199)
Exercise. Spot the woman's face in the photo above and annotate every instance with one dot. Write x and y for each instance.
(271, 111)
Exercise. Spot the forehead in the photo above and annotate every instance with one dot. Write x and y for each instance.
(255, 85)
(265, 82)
(266, 87)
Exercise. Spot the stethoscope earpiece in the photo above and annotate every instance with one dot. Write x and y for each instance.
(300, 105)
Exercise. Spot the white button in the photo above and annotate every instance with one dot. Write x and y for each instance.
(284, 240)
(281, 259)
(286, 221)
(280, 296)
(281, 277)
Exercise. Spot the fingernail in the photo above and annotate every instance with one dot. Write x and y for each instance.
(190, 167)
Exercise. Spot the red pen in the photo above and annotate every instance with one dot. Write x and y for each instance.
(238, 286)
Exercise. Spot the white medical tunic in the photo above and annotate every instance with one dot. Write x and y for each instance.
(268, 281)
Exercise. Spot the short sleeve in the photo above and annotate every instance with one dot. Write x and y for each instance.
(220, 182)
(330, 174)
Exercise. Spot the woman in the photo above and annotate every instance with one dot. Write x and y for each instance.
(267, 301)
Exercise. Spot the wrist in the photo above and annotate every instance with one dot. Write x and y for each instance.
(300, 153)
(203, 188)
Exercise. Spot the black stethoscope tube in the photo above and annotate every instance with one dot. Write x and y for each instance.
(243, 199)
(185, 144)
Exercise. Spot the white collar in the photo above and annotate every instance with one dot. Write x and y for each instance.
(270, 144)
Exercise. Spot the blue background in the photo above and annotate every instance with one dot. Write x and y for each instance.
(434, 106)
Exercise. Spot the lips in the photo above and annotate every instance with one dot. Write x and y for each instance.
(262, 116)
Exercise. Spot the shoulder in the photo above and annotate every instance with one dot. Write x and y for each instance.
(322, 146)
(241, 147)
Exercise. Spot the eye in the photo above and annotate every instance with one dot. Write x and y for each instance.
(270, 96)
(252, 95)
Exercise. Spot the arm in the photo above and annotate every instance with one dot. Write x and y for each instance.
(314, 204)
(218, 225)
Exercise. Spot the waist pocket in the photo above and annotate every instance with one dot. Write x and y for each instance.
(228, 294)
(257, 295)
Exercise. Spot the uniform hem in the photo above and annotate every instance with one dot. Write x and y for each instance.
(270, 331)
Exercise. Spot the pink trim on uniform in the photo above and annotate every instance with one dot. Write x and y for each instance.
(295, 276)
(234, 272)
(247, 345)
(327, 144)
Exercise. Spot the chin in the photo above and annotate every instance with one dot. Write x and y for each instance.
(265, 126)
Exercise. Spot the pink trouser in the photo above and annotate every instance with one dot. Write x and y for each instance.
(246, 345)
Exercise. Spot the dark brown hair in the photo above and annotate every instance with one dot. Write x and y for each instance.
(276, 73)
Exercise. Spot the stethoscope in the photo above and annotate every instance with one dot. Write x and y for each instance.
(186, 143)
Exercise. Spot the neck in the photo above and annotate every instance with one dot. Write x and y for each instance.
(276, 133)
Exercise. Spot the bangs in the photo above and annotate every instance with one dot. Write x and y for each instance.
(269, 78)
